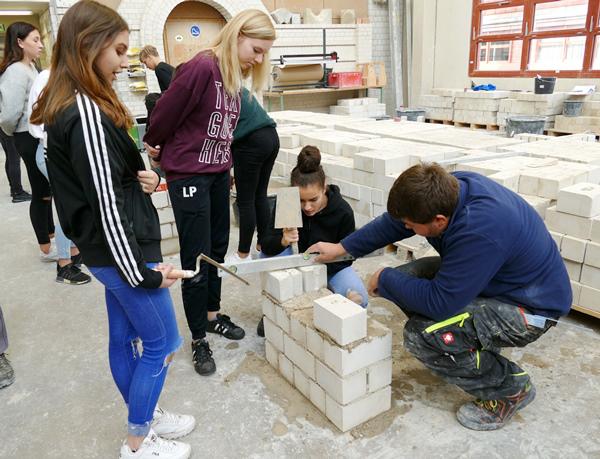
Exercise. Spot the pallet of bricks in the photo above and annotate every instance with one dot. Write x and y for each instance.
(530, 104)
(361, 107)
(588, 121)
(439, 105)
(325, 346)
(478, 109)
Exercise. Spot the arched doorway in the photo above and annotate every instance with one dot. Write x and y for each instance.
(190, 27)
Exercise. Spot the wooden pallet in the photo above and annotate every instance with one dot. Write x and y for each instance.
(589, 312)
(436, 121)
(556, 133)
(486, 127)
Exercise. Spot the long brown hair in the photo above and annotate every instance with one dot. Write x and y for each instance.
(12, 51)
(85, 30)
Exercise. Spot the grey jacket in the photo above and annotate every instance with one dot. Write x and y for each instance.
(15, 84)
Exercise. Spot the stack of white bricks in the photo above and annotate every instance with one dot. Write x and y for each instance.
(326, 347)
(528, 103)
(439, 105)
(362, 107)
(169, 243)
(588, 121)
(478, 107)
(574, 223)
(580, 148)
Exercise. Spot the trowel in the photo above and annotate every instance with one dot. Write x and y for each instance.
(288, 213)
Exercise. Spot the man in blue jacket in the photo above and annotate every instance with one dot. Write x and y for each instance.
(498, 278)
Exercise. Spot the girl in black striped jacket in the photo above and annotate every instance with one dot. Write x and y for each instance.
(101, 189)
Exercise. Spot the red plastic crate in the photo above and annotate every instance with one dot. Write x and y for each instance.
(344, 79)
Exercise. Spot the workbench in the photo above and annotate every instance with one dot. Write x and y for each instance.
(361, 91)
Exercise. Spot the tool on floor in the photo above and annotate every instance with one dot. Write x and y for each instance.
(195, 276)
(288, 213)
(283, 262)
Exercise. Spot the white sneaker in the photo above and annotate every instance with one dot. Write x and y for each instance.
(234, 258)
(170, 425)
(154, 447)
(49, 257)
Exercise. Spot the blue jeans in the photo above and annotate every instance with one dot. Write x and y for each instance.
(63, 244)
(136, 314)
(340, 282)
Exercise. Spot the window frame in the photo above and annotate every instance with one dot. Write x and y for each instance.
(526, 35)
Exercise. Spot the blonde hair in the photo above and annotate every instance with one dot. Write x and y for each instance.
(250, 23)
(148, 51)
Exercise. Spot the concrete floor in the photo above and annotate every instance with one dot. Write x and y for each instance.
(64, 403)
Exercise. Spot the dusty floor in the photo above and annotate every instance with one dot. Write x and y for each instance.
(64, 403)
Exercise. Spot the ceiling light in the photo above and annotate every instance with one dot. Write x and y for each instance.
(16, 12)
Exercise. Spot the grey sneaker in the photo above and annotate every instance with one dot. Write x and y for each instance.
(7, 374)
(71, 274)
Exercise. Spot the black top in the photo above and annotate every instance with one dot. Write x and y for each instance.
(164, 73)
(93, 171)
(331, 224)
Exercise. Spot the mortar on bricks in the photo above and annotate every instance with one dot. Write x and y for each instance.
(411, 113)
(524, 125)
(572, 107)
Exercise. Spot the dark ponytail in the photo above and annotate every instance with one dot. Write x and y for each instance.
(308, 170)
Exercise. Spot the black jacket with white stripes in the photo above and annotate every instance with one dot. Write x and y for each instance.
(101, 207)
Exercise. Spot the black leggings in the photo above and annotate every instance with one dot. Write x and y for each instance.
(253, 159)
(40, 208)
(12, 164)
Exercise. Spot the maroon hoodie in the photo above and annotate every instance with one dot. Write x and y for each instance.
(194, 120)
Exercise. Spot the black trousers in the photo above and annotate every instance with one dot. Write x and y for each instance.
(12, 163)
(253, 159)
(201, 209)
(40, 207)
(465, 349)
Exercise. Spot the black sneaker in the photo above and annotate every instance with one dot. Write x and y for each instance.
(494, 414)
(77, 260)
(21, 196)
(71, 274)
(224, 326)
(7, 374)
(260, 328)
(204, 364)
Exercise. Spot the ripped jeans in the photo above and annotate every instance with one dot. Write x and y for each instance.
(138, 314)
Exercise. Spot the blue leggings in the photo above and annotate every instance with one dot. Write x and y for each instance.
(136, 314)
(340, 282)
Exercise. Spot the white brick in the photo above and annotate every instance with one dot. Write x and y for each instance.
(302, 382)
(592, 254)
(572, 225)
(342, 390)
(296, 281)
(160, 199)
(573, 248)
(379, 375)
(317, 395)
(573, 270)
(286, 368)
(300, 356)
(590, 298)
(280, 285)
(576, 289)
(351, 415)
(590, 276)
(581, 199)
(273, 334)
(314, 343)
(557, 237)
(314, 277)
(272, 355)
(165, 215)
(283, 320)
(343, 320)
(595, 236)
(298, 331)
(165, 231)
(268, 309)
(346, 360)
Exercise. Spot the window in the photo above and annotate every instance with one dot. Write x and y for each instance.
(531, 37)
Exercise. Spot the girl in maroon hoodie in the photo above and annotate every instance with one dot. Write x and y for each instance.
(190, 134)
